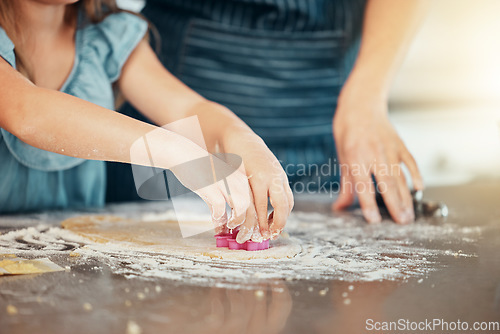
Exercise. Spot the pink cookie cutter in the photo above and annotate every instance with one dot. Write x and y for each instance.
(229, 240)
(221, 240)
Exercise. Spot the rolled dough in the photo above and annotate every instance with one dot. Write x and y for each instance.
(164, 237)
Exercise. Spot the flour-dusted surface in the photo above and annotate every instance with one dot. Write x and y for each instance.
(164, 237)
(332, 247)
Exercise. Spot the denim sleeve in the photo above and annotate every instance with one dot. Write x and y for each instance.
(115, 38)
(7, 48)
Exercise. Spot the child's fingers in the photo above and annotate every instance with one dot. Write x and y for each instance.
(217, 204)
(252, 217)
(260, 193)
(289, 194)
(221, 229)
(235, 221)
(220, 222)
(257, 235)
(281, 207)
(236, 191)
(250, 228)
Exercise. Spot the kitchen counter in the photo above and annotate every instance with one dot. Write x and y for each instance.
(90, 298)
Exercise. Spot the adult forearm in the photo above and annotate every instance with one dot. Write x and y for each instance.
(389, 26)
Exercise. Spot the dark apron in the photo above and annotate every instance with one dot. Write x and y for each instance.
(278, 64)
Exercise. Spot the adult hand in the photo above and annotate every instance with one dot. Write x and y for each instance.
(367, 144)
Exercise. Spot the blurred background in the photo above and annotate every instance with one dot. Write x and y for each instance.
(445, 101)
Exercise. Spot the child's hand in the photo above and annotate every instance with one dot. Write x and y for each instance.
(267, 179)
(198, 176)
(233, 190)
(147, 85)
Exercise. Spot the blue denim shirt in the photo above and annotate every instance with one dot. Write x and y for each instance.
(34, 179)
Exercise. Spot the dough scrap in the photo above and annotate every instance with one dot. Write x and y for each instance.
(164, 237)
(18, 266)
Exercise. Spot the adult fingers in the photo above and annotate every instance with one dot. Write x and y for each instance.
(365, 190)
(346, 191)
(389, 186)
(289, 194)
(411, 164)
(405, 195)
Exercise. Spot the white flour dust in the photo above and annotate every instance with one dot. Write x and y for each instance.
(343, 248)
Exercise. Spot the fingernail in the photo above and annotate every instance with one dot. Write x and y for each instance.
(405, 217)
(419, 185)
(373, 216)
(219, 229)
(231, 224)
(275, 232)
(256, 236)
(219, 222)
(411, 215)
(244, 234)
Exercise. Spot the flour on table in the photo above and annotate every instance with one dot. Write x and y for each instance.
(331, 247)
(164, 237)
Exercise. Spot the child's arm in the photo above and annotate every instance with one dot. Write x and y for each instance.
(161, 97)
(57, 122)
